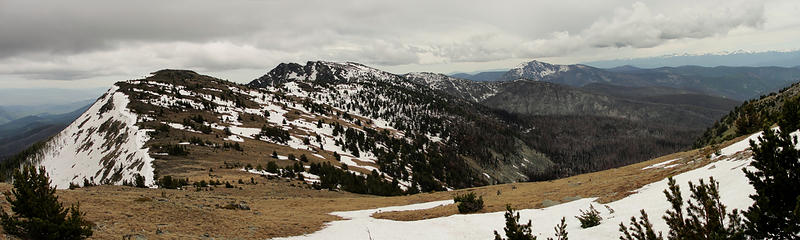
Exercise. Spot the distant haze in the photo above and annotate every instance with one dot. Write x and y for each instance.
(39, 96)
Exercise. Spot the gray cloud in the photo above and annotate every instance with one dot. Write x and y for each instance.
(91, 38)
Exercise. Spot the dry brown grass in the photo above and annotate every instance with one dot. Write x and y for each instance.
(278, 208)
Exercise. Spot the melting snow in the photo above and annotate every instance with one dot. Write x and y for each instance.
(662, 164)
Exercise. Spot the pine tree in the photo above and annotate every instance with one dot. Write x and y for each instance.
(561, 230)
(514, 230)
(706, 215)
(37, 213)
(775, 213)
(789, 118)
(139, 181)
(639, 230)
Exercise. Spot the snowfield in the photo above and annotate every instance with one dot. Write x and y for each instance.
(85, 151)
(734, 190)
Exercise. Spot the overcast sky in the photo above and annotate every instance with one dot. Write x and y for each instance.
(90, 43)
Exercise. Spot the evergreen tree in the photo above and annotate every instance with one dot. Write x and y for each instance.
(789, 118)
(775, 213)
(514, 230)
(138, 180)
(561, 230)
(639, 230)
(705, 216)
(37, 213)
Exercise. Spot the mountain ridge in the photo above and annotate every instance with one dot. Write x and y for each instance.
(739, 83)
(393, 133)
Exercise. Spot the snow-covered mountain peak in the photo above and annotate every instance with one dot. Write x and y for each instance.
(322, 72)
(535, 70)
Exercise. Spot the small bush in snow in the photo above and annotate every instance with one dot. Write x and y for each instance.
(589, 218)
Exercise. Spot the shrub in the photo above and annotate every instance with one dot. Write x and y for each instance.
(138, 181)
(37, 213)
(276, 134)
(468, 203)
(272, 167)
(175, 150)
(234, 146)
(171, 183)
(589, 218)
(201, 183)
(87, 183)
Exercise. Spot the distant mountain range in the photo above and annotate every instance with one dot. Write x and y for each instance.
(738, 83)
(9, 113)
(737, 58)
(20, 133)
(481, 76)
